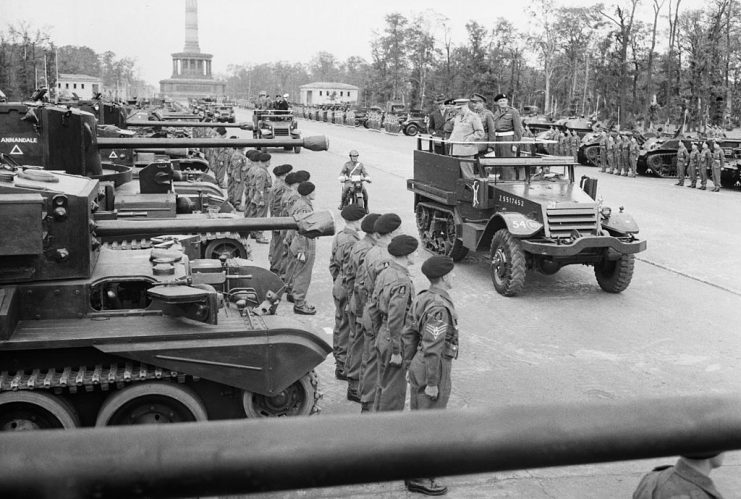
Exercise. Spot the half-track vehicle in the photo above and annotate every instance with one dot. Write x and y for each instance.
(91, 336)
(276, 125)
(527, 212)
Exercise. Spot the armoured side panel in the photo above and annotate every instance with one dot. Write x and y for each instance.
(18, 138)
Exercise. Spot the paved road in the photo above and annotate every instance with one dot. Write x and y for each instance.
(673, 332)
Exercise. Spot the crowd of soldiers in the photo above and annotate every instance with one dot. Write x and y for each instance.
(618, 154)
(697, 162)
(386, 336)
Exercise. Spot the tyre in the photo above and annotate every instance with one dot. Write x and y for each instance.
(230, 247)
(35, 410)
(614, 276)
(299, 399)
(411, 130)
(151, 403)
(507, 263)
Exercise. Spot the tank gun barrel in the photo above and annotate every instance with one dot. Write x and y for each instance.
(320, 223)
(189, 124)
(315, 143)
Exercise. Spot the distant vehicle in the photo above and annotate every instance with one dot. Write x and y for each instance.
(414, 123)
(271, 124)
(224, 114)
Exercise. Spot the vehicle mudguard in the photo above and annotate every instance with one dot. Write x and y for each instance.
(519, 225)
(621, 222)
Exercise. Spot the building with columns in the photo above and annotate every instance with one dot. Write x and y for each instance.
(191, 68)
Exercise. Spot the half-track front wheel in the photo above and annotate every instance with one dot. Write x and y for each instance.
(614, 276)
(151, 403)
(34, 410)
(229, 247)
(299, 399)
(507, 263)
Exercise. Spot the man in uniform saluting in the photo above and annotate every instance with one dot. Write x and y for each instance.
(507, 127)
(430, 346)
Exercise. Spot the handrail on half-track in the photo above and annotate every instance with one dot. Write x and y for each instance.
(233, 457)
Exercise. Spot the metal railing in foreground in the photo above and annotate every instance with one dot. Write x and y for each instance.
(260, 455)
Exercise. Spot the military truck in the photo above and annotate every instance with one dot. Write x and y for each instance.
(527, 212)
(91, 336)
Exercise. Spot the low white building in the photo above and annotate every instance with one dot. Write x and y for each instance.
(83, 85)
(322, 92)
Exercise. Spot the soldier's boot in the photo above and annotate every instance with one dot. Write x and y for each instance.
(426, 486)
(352, 390)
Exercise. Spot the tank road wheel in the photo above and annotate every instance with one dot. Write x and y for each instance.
(299, 399)
(151, 403)
(507, 263)
(614, 276)
(229, 247)
(27, 410)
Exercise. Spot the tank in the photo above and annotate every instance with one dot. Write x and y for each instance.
(65, 139)
(90, 336)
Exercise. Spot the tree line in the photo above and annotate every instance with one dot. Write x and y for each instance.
(603, 61)
(29, 59)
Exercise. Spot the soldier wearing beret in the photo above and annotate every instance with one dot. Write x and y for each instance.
(276, 196)
(355, 306)
(430, 345)
(689, 477)
(290, 197)
(258, 193)
(219, 159)
(386, 228)
(342, 244)
(507, 126)
(478, 105)
(718, 158)
(302, 251)
(683, 157)
(389, 309)
(235, 187)
(706, 161)
(694, 165)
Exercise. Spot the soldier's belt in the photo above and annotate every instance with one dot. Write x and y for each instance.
(504, 134)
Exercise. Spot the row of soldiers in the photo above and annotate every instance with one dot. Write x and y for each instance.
(697, 162)
(567, 142)
(618, 154)
(385, 335)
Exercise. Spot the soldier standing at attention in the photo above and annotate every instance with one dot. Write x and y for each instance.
(220, 159)
(389, 308)
(276, 197)
(235, 186)
(451, 111)
(694, 165)
(706, 161)
(430, 346)
(626, 156)
(633, 150)
(575, 143)
(342, 244)
(467, 128)
(303, 252)
(290, 198)
(718, 159)
(478, 105)
(355, 307)
(386, 228)
(259, 193)
(436, 122)
(682, 160)
(603, 152)
(507, 127)
(618, 155)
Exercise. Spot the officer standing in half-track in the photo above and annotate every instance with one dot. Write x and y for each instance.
(342, 245)
(478, 106)
(386, 227)
(389, 309)
(430, 345)
(355, 307)
(683, 158)
(507, 127)
(276, 197)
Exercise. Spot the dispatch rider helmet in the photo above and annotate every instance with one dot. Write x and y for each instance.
(354, 153)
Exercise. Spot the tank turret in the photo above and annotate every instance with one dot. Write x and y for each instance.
(94, 336)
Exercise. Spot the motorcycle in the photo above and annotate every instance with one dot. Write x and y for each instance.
(354, 194)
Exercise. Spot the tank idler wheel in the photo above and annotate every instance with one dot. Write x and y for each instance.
(507, 263)
(151, 403)
(35, 410)
(614, 276)
(229, 247)
(298, 399)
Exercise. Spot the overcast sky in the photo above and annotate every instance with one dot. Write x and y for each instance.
(248, 31)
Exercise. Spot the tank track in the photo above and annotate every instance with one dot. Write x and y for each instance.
(653, 172)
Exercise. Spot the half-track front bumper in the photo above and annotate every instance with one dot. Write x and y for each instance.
(576, 246)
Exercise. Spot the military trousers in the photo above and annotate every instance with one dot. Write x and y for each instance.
(680, 172)
(219, 173)
(234, 190)
(625, 164)
(504, 150)
(692, 173)
(300, 279)
(341, 332)
(703, 171)
(418, 400)
(275, 251)
(716, 175)
(603, 159)
(369, 362)
(354, 360)
(391, 385)
(633, 165)
(253, 210)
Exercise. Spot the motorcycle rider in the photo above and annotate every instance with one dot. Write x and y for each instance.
(350, 168)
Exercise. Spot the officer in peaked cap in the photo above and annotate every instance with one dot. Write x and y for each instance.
(436, 119)
(478, 105)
